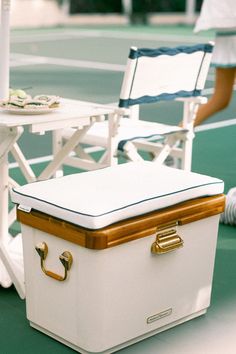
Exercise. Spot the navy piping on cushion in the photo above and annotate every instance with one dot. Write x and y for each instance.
(140, 52)
(121, 208)
(125, 103)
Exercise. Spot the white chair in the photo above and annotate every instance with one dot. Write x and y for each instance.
(151, 75)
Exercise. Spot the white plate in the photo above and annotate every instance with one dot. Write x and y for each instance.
(29, 111)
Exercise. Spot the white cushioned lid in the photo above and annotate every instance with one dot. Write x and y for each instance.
(99, 198)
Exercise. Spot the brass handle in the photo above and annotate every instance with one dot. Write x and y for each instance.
(166, 241)
(65, 258)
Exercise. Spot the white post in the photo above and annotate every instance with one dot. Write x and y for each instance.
(66, 7)
(127, 7)
(190, 11)
(5, 49)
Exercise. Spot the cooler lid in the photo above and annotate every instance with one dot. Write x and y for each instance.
(165, 220)
(99, 198)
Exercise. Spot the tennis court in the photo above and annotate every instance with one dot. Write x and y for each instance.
(88, 64)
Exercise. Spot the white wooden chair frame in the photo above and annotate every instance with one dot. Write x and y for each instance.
(193, 64)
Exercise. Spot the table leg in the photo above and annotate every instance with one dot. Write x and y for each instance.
(4, 200)
(11, 271)
(57, 145)
(11, 256)
(23, 164)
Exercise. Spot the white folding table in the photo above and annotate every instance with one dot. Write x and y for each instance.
(72, 113)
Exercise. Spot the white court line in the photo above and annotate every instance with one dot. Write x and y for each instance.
(68, 34)
(216, 125)
(48, 158)
(151, 36)
(44, 37)
(34, 161)
(18, 59)
(24, 59)
(209, 91)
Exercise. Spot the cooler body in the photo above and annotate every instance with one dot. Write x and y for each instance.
(119, 294)
(128, 280)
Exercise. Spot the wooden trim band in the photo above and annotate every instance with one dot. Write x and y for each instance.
(125, 230)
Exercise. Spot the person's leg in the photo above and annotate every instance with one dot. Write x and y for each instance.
(221, 97)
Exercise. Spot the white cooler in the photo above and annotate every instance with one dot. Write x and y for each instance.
(116, 255)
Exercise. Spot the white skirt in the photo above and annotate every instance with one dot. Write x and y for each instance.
(216, 14)
(224, 53)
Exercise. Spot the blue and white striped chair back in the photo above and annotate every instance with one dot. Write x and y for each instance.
(164, 73)
(151, 75)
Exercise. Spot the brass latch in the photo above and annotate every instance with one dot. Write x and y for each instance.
(167, 240)
(65, 258)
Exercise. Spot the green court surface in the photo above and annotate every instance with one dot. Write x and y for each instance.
(87, 63)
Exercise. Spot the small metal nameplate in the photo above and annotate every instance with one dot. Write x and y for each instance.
(159, 315)
(24, 208)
